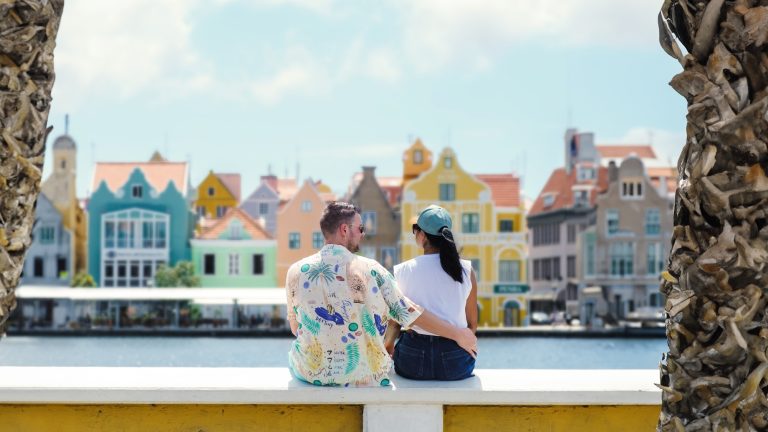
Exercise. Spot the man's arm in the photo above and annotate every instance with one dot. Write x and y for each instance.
(289, 307)
(391, 335)
(464, 337)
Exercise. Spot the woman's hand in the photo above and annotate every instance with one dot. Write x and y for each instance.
(466, 339)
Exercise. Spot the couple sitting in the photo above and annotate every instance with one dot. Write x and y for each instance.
(347, 311)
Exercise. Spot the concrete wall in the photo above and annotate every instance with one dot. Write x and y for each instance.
(234, 399)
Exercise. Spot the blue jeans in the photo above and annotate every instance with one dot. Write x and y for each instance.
(422, 357)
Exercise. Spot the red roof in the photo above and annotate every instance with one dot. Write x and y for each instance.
(505, 188)
(158, 174)
(249, 225)
(232, 183)
(560, 185)
(623, 151)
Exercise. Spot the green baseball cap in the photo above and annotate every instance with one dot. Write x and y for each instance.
(434, 218)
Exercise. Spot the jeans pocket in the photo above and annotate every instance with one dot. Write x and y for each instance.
(409, 362)
(457, 364)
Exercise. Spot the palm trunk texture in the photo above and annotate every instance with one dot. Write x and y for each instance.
(27, 38)
(714, 375)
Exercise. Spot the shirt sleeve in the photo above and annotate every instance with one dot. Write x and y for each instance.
(291, 284)
(401, 308)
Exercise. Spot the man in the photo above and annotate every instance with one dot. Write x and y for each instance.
(339, 304)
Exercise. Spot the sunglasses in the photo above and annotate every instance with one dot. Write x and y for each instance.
(361, 227)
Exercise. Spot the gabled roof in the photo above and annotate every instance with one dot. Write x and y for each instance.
(158, 174)
(622, 151)
(249, 225)
(286, 188)
(231, 182)
(560, 185)
(505, 188)
(392, 187)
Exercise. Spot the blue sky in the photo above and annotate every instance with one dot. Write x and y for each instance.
(245, 85)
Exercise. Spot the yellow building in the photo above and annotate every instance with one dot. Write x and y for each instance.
(416, 160)
(216, 194)
(488, 224)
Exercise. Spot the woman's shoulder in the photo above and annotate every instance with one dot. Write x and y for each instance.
(405, 265)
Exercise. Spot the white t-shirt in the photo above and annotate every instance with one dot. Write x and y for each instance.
(423, 281)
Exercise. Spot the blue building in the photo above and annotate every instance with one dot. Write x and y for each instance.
(139, 217)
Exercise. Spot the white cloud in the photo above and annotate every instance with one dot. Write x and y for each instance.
(125, 47)
(472, 32)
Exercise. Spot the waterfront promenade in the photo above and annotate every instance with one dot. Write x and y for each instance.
(269, 399)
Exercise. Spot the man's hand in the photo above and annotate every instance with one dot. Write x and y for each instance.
(466, 339)
(390, 347)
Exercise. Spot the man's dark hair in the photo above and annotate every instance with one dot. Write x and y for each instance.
(335, 214)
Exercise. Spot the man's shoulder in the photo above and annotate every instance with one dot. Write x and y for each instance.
(311, 259)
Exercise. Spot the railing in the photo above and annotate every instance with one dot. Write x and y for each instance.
(133, 399)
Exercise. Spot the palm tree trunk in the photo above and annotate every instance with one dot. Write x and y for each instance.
(27, 38)
(717, 328)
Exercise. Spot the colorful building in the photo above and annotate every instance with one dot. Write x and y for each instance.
(48, 260)
(216, 194)
(139, 218)
(381, 221)
(60, 190)
(263, 203)
(489, 227)
(298, 226)
(236, 252)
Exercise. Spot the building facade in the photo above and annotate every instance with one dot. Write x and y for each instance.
(49, 258)
(491, 237)
(627, 250)
(216, 194)
(298, 228)
(381, 221)
(564, 209)
(236, 252)
(139, 218)
(263, 203)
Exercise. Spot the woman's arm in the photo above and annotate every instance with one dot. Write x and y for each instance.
(471, 308)
(391, 335)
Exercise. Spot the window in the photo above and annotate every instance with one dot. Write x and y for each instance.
(509, 271)
(548, 200)
(537, 269)
(263, 208)
(655, 300)
(63, 163)
(586, 173)
(211, 191)
(47, 235)
(61, 267)
(258, 264)
(571, 231)
(632, 189)
(137, 191)
(37, 268)
(476, 267)
(306, 206)
(589, 258)
(146, 234)
(209, 264)
(622, 258)
(236, 231)
(612, 221)
(652, 221)
(580, 198)
(447, 191)
(654, 261)
(470, 223)
(506, 225)
(160, 240)
(570, 266)
(369, 222)
(317, 240)
(201, 211)
(234, 264)
(221, 211)
(418, 157)
(448, 162)
(294, 240)
(547, 233)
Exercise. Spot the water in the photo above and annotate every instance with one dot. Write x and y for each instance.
(495, 353)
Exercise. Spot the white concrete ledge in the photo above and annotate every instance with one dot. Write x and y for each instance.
(113, 385)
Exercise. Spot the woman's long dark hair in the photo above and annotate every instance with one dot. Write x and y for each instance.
(449, 256)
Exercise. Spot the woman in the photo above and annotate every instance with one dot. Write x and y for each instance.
(445, 285)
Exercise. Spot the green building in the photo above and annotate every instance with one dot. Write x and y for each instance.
(235, 252)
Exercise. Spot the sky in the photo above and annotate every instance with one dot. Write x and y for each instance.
(327, 86)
